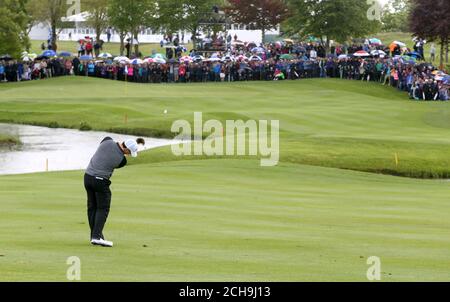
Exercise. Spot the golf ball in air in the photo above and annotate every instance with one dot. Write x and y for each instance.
(165, 111)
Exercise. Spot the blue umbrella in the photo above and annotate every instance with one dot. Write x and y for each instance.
(415, 54)
(85, 58)
(447, 80)
(258, 50)
(49, 53)
(64, 54)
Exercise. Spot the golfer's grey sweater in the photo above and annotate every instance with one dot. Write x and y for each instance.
(108, 157)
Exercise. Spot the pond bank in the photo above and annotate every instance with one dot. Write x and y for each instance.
(44, 149)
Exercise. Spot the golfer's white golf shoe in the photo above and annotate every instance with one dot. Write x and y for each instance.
(102, 242)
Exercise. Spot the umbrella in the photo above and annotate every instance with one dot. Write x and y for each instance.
(49, 53)
(5, 58)
(446, 80)
(158, 55)
(86, 58)
(286, 57)
(251, 44)
(342, 57)
(32, 56)
(290, 41)
(401, 44)
(241, 58)
(105, 55)
(213, 59)
(258, 50)
(438, 73)
(255, 58)
(26, 59)
(159, 61)
(137, 62)
(361, 53)
(186, 59)
(149, 60)
(375, 41)
(198, 58)
(122, 59)
(227, 58)
(64, 54)
(415, 54)
(237, 43)
(377, 53)
(409, 59)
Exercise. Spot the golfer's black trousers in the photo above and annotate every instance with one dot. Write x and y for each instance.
(98, 203)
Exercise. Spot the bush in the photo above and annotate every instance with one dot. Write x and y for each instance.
(53, 125)
(85, 127)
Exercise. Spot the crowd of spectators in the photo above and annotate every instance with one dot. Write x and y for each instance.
(249, 62)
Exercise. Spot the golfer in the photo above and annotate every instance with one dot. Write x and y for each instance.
(110, 155)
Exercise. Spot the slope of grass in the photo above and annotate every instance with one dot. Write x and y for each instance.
(228, 220)
(333, 123)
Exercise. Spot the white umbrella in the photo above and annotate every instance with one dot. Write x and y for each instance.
(361, 53)
(255, 58)
(105, 55)
(199, 58)
(377, 53)
(122, 59)
(401, 44)
(213, 60)
(341, 57)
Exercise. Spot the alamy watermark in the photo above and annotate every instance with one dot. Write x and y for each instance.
(74, 271)
(74, 8)
(374, 271)
(375, 9)
(231, 139)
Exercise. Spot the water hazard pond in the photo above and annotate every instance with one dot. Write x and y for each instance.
(57, 149)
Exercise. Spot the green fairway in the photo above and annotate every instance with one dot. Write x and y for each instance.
(332, 123)
(228, 219)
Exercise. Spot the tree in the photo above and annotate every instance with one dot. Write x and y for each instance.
(13, 27)
(430, 20)
(337, 20)
(130, 16)
(395, 15)
(51, 12)
(263, 14)
(98, 15)
(175, 15)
